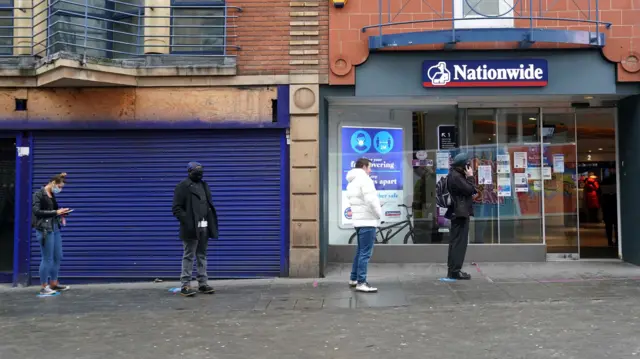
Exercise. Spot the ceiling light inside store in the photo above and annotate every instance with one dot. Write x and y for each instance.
(532, 119)
(588, 97)
(600, 149)
(589, 151)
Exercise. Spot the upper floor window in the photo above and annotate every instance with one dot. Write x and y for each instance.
(198, 27)
(483, 13)
(103, 28)
(6, 27)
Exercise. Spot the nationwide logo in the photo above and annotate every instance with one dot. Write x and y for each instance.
(489, 73)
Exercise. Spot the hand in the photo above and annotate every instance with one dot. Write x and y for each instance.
(469, 171)
(62, 211)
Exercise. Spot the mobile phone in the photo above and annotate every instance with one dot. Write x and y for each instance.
(69, 211)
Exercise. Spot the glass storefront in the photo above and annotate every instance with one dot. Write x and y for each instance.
(525, 160)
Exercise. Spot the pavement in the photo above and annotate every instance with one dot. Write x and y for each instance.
(545, 310)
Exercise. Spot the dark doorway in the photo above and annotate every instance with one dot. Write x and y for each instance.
(7, 204)
(598, 190)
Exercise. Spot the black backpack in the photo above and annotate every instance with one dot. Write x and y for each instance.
(443, 196)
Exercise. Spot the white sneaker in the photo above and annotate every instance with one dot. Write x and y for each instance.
(353, 283)
(366, 288)
(47, 292)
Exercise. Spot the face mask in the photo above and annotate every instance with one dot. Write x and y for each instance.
(195, 175)
(56, 189)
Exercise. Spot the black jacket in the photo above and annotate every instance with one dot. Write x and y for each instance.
(43, 211)
(183, 210)
(462, 189)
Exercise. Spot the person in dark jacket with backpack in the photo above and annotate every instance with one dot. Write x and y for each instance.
(461, 188)
(193, 207)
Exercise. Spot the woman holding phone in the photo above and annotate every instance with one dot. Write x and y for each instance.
(47, 219)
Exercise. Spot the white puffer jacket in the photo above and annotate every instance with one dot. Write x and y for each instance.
(363, 198)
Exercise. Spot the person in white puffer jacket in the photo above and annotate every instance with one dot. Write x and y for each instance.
(366, 213)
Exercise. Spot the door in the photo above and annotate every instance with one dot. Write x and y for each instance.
(121, 184)
(560, 182)
(7, 206)
(598, 193)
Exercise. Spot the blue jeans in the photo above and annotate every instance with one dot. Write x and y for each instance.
(51, 252)
(366, 239)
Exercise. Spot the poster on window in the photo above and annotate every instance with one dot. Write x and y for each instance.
(558, 163)
(521, 182)
(484, 175)
(384, 148)
(520, 160)
(504, 165)
(504, 186)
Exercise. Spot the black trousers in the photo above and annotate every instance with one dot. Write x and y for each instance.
(458, 244)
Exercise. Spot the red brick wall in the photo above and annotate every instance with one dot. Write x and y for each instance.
(348, 44)
(264, 33)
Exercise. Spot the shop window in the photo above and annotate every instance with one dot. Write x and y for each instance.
(198, 27)
(483, 13)
(110, 30)
(6, 30)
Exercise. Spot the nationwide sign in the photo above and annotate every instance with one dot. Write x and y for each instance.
(487, 73)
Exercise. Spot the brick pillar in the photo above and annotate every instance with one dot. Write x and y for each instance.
(157, 27)
(304, 256)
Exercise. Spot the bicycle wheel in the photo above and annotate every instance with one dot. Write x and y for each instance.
(407, 236)
(352, 239)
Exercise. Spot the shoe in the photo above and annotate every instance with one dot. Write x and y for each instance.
(353, 283)
(206, 289)
(47, 292)
(365, 288)
(61, 288)
(187, 291)
(460, 276)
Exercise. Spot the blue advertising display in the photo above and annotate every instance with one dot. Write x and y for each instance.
(384, 148)
(485, 73)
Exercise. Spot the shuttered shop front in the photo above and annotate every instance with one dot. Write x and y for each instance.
(120, 184)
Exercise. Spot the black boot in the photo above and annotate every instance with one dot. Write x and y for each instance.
(460, 275)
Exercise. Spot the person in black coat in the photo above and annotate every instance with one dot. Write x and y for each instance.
(193, 207)
(462, 188)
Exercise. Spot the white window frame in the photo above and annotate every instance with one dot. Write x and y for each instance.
(483, 22)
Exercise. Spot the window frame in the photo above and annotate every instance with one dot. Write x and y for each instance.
(110, 6)
(8, 6)
(194, 4)
(480, 22)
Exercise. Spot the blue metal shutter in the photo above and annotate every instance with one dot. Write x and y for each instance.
(121, 184)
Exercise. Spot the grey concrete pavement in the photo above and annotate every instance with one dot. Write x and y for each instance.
(551, 310)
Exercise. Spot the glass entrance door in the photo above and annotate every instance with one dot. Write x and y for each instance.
(559, 177)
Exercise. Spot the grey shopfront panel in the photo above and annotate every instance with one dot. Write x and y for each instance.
(570, 73)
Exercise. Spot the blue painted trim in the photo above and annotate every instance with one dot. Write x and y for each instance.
(22, 226)
(17, 214)
(5, 277)
(134, 125)
(284, 117)
(522, 35)
(284, 200)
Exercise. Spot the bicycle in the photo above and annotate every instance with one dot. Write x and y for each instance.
(389, 235)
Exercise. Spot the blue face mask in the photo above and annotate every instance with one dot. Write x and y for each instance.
(56, 190)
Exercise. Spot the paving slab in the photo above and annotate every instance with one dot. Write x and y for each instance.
(507, 311)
